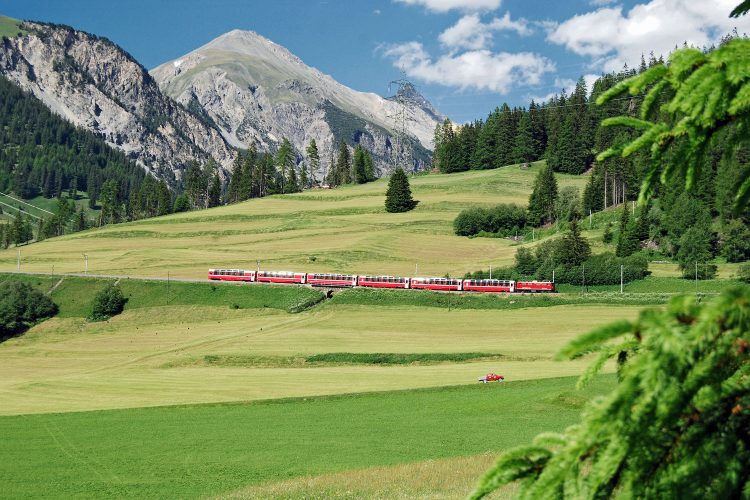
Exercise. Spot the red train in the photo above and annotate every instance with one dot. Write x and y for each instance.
(353, 280)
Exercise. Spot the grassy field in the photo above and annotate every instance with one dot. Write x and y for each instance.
(193, 451)
(10, 27)
(210, 343)
(86, 407)
(343, 229)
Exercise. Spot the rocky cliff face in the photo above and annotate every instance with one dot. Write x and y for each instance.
(256, 91)
(94, 84)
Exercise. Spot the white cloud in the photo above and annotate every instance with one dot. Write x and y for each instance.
(612, 37)
(376, 12)
(471, 33)
(474, 69)
(602, 2)
(447, 5)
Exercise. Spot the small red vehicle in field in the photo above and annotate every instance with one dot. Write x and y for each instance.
(491, 377)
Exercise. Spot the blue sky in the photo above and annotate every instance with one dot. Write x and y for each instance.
(466, 56)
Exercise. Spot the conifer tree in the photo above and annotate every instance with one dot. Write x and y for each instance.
(251, 180)
(164, 200)
(235, 181)
(624, 238)
(573, 249)
(437, 154)
(543, 197)
(343, 167)
(484, 154)
(505, 139)
(313, 159)
(360, 171)
(196, 185)
(285, 164)
(398, 198)
(524, 149)
(80, 223)
(369, 167)
(214, 191)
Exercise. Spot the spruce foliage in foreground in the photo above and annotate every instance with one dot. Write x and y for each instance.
(398, 197)
(676, 426)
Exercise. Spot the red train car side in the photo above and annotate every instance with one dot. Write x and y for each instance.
(281, 277)
(231, 275)
(331, 279)
(441, 284)
(489, 286)
(535, 286)
(383, 281)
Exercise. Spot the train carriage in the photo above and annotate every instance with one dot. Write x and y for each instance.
(496, 286)
(281, 277)
(383, 281)
(535, 286)
(231, 275)
(440, 284)
(332, 280)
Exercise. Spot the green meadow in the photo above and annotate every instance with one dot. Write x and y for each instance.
(224, 390)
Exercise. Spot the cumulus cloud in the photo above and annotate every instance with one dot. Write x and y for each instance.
(447, 5)
(471, 33)
(478, 69)
(612, 37)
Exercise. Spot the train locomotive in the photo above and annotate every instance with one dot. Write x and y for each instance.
(334, 280)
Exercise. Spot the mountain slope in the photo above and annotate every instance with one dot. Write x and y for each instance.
(257, 91)
(96, 85)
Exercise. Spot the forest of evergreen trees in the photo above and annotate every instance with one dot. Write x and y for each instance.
(43, 154)
(691, 227)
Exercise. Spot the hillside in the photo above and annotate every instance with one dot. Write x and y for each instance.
(256, 91)
(345, 229)
(95, 84)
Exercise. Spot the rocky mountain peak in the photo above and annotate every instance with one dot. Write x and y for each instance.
(408, 93)
(257, 92)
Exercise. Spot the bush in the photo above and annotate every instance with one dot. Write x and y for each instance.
(181, 203)
(21, 306)
(743, 273)
(604, 269)
(502, 219)
(107, 303)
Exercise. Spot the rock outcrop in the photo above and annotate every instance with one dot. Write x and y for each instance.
(95, 84)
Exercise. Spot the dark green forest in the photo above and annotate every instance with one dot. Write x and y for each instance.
(692, 227)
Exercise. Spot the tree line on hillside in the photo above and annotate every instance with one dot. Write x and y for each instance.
(692, 226)
(41, 154)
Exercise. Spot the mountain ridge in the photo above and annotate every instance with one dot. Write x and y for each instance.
(95, 84)
(256, 90)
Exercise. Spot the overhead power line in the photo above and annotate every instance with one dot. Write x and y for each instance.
(19, 211)
(25, 203)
